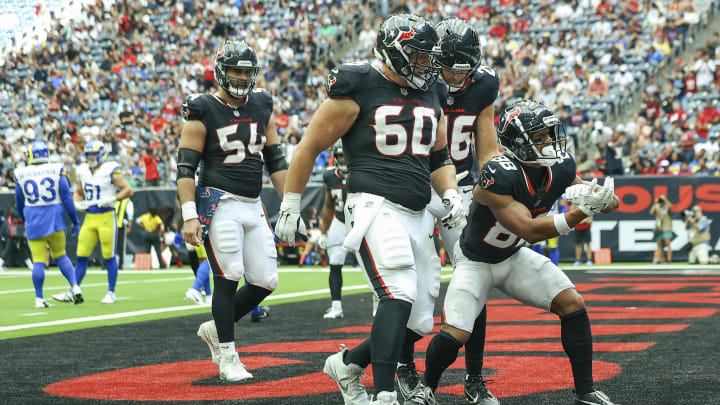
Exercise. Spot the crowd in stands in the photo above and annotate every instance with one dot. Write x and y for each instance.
(121, 70)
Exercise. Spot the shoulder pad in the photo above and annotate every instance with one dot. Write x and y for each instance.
(346, 79)
(193, 107)
(263, 95)
(497, 175)
(486, 84)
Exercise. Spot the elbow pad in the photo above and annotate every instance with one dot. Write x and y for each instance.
(274, 156)
(187, 163)
(439, 158)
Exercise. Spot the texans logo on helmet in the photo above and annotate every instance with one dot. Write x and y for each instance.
(486, 179)
(405, 35)
(220, 54)
(509, 117)
(331, 80)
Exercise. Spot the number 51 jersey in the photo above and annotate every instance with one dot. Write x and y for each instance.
(484, 239)
(387, 149)
(98, 185)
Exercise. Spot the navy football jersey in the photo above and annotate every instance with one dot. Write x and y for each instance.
(335, 182)
(234, 139)
(461, 111)
(484, 239)
(387, 149)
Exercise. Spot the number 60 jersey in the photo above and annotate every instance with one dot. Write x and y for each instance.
(484, 239)
(388, 147)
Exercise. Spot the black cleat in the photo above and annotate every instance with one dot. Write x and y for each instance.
(407, 380)
(593, 398)
(78, 299)
(264, 313)
(476, 391)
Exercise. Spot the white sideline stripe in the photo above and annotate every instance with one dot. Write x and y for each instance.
(34, 314)
(659, 268)
(171, 309)
(131, 272)
(158, 280)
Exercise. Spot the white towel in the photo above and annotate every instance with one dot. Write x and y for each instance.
(365, 208)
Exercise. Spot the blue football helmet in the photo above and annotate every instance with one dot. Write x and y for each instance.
(95, 152)
(37, 152)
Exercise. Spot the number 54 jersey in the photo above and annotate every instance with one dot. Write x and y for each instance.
(484, 239)
(387, 149)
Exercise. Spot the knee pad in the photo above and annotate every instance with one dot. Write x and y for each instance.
(266, 281)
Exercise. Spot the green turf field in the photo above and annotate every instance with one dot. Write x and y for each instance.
(142, 295)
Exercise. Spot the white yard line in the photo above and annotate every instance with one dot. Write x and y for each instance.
(65, 287)
(171, 309)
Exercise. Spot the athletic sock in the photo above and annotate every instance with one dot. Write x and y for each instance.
(222, 308)
(336, 281)
(38, 278)
(112, 272)
(441, 353)
(475, 346)
(407, 354)
(577, 341)
(66, 268)
(227, 348)
(360, 354)
(247, 298)
(386, 341)
(202, 277)
(80, 268)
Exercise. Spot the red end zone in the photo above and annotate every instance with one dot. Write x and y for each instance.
(514, 375)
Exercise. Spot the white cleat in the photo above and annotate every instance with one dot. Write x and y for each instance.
(232, 369)
(347, 377)
(66, 296)
(41, 303)
(194, 296)
(333, 313)
(109, 298)
(385, 398)
(208, 333)
(208, 299)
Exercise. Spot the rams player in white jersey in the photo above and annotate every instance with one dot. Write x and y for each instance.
(42, 195)
(96, 192)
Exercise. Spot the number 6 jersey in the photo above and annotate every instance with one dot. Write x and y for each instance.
(484, 239)
(388, 147)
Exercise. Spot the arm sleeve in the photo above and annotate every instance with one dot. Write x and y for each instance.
(67, 200)
(20, 201)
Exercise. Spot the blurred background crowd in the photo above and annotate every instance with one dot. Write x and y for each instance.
(73, 70)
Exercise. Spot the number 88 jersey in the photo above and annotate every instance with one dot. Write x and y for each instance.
(40, 183)
(485, 239)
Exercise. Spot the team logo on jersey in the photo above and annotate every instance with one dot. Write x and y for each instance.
(486, 180)
(403, 91)
(450, 100)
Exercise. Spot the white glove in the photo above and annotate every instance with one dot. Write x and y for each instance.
(572, 194)
(289, 221)
(322, 241)
(592, 202)
(106, 202)
(452, 202)
(81, 205)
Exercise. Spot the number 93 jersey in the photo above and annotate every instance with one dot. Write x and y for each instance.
(40, 183)
(234, 139)
(98, 185)
(485, 239)
(387, 149)
(461, 111)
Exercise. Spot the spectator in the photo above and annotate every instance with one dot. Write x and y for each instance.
(623, 78)
(663, 229)
(699, 227)
(583, 238)
(597, 87)
(150, 163)
(152, 228)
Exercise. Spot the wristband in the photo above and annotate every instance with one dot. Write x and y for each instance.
(189, 211)
(561, 224)
(292, 200)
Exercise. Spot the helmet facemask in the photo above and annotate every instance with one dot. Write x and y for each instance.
(543, 143)
(237, 81)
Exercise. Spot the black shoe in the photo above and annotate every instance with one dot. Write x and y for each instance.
(421, 396)
(593, 398)
(264, 313)
(407, 380)
(78, 299)
(476, 391)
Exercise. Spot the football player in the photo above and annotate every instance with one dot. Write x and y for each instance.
(333, 228)
(470, 112)
(393, 134)
(514, 191)
(42, 196)
(202, 276)
(233, 134)
(101, 184)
